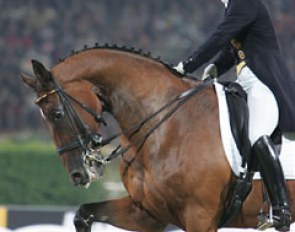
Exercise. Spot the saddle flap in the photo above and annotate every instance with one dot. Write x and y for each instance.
(236, 99)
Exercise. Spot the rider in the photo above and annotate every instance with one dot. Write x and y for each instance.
(246, 38)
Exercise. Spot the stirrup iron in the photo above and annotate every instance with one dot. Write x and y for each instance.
(265, 221)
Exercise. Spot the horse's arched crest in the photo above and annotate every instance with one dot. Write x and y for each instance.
(121, 48)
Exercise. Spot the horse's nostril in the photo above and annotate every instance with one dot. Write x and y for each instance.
(76, 177)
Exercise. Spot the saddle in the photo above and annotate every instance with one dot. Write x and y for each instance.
(239, 119)
(236, 99)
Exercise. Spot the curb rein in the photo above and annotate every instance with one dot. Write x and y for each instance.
(93, 141)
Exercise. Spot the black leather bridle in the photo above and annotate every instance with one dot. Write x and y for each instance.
(88, 141)
(84, 138)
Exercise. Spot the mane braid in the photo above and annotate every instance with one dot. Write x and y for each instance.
(122, 48)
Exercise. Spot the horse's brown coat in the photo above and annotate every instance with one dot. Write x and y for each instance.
(181, 175)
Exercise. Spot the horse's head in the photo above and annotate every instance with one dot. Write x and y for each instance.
(72, 113)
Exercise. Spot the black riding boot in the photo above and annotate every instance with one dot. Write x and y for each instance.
(272, 174)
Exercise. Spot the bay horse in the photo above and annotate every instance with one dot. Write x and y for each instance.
(173, 167)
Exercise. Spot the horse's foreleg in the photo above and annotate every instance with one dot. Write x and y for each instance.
(123, 213)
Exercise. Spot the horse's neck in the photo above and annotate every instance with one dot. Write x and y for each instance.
(135, 86)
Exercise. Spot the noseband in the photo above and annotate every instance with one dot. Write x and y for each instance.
(85, 140)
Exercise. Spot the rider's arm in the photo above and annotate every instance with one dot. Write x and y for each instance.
(239, 17)
(224, 60)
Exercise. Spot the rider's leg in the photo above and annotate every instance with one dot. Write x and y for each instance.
(263, 107)
(272, 173)
(263, 119)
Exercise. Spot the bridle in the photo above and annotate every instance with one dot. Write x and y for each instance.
(85, 139)
(88, 141)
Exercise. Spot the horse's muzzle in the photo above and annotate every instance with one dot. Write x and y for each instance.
(92, 169)
(79, 177)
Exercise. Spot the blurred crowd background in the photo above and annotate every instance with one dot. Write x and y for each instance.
(49, 29)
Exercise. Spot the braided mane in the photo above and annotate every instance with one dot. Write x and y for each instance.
(119, 48)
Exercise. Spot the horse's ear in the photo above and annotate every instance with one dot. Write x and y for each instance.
(42, 74)
(29, 81)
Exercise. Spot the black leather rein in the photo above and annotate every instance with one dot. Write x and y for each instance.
(85, 138)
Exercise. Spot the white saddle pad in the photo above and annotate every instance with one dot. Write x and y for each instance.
(287, 156)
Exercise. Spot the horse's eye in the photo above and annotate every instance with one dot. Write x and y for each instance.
(56, 115)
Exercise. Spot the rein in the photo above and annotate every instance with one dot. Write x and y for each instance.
(87, 140)
(180, 99)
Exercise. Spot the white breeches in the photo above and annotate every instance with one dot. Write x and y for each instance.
(263, 107)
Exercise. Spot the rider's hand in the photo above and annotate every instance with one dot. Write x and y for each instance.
(210, 72)
(179, 68)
